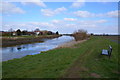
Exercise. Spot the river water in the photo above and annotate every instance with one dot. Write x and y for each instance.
(19, 51)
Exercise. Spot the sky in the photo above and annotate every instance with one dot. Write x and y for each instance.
(64, 17)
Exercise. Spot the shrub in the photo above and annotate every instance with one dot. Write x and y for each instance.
(80, 34)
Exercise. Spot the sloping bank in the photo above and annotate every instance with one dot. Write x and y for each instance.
(25, 40)
(83, 61)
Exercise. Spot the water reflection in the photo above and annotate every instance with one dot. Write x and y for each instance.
(12, 49)
(34, 48)
(18, 48)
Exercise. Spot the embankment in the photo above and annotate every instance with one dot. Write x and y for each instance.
(25, 40)
(71, 44)
(83, 61)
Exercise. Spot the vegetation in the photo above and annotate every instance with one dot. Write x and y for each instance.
(18, 32)
(24, 32)
(36, 32)
(18, 37)
(80, 35)
(25, 40)
(83, 61)
(57, 32)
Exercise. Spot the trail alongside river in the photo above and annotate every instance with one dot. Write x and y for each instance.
(70, 44)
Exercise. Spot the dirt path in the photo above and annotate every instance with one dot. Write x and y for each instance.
(78, 68)
(70, 44)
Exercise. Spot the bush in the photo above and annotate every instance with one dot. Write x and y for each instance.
(80, 34)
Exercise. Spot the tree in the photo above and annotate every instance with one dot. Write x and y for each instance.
(11, 31)
(49, 33)
(91, 34)
(18, 32)
(37, 29)
(80, 34)
(57, 32)
(24, 32)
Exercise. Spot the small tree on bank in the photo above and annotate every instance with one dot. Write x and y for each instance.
(80, 34)
(57, 33)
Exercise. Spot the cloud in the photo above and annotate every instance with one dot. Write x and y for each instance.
(113, 13)
(86, 14)
(70, 19)
(78, 4)
(42, 24)
(53, 23)
(28, 25)
(41, 4)
(64, 0)
(58, 10)
(9, 8)
(101, 21)
(28, 2)
(50, 12)
(63, 26)
(56, 21)
(47, 12)
(89, 22)
(107, 29)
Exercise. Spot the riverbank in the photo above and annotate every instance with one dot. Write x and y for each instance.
(71, 44)
(12, 41)
(83, 61)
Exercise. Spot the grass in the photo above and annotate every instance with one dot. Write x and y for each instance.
(60, 62)
(94, 63)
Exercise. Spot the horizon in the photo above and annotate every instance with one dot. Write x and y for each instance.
(64, 17)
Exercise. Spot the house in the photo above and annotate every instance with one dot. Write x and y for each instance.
(38, 32)
(44, 32)
(14, 33)
(31, 33)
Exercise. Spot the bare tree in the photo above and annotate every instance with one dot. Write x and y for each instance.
(10, 30)
(80, 34)
(37, 29)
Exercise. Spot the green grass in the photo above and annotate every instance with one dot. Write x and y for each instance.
(96, 63)
(54, 63)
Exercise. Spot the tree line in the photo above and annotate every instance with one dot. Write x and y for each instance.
(19, 32)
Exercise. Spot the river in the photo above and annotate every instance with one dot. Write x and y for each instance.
(19, 51)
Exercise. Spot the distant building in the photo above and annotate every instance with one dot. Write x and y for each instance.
(36, 32)
(31, 33)
(14, 33)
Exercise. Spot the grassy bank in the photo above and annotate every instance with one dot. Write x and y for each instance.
(83, 61)
(12, 41)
